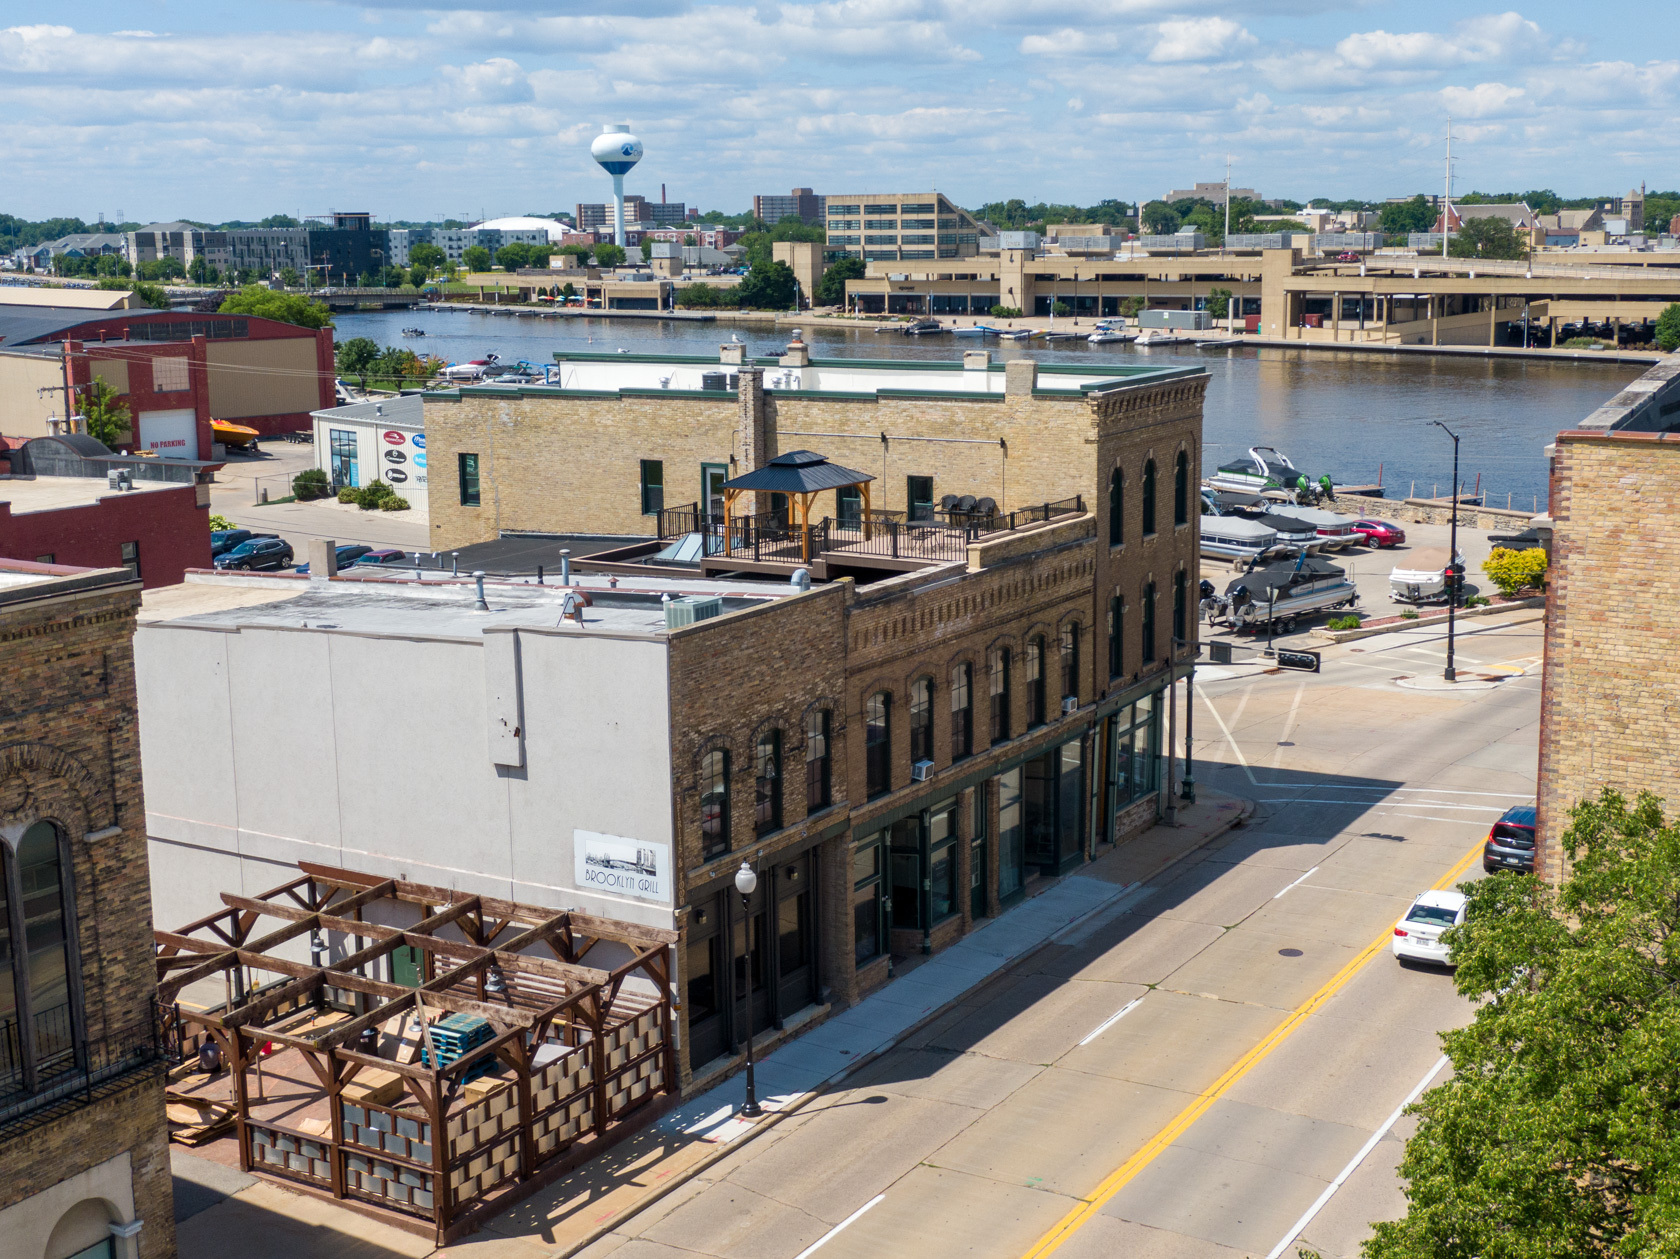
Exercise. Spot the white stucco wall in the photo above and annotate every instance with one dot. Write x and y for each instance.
(264, 746)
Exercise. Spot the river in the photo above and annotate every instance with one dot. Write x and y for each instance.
(1350, 414)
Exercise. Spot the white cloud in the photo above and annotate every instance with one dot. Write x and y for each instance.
(1200, 39)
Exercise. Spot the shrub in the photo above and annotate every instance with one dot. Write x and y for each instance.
(372, 494)
(1512, 570)
(1351, 621)
(393, 502)
(219, 523)
(309, 484)
(1581, 343)
(349, 494)
(1006, 312)
(1478, 601)
(1410, 614)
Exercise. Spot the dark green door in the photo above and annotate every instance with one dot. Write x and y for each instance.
(405, 966)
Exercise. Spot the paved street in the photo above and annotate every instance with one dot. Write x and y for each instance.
(235, 494)
(1265, 1035)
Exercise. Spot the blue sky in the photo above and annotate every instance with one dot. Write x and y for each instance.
(215, 110)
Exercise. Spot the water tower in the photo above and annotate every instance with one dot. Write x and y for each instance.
(617, 150)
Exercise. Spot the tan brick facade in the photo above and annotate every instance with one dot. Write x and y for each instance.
(838, 645)
(69, 755)
(1610, 701)
(571, 463)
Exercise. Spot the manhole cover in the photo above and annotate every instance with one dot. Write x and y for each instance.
(1289, 952)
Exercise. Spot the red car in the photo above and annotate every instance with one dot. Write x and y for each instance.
(1379, 533)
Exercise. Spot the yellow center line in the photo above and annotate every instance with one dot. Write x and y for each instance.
(1127, 1171)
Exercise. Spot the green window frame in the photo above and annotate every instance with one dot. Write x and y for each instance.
(653, 486)
(467, 466)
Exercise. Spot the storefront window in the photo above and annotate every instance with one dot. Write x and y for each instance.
(867, 897)
(942, 861)
(1133, 770)
(1012, 850)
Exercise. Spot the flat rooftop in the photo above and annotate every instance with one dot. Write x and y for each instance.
(431, 605)
(52, 493)
(613, 375)
(22, 581)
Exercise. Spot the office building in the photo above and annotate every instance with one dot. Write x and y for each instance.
(802, 203)
(384, 440)
(899, 227)
(597, 216)
(1212, 191)
(84, 1159)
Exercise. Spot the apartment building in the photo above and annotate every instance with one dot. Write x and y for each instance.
(801, 202)
(597, 216)
(899, 227)
(901, 749)
(84, 1160)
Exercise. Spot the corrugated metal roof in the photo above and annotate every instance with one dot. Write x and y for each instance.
(20, 324)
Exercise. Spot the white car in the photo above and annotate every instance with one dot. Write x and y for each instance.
(1417, 936)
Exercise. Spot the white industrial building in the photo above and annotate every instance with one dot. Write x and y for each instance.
(384, 438)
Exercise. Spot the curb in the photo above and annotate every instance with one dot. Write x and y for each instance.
(1517, 605)
(1248, 810)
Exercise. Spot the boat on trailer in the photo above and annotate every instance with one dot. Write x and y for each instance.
(1266, 468)
(1279, 593)
(1427, 583)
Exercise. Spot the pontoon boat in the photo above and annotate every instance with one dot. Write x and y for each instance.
(1280, 593)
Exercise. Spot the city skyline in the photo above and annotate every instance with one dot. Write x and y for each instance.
(189, 109)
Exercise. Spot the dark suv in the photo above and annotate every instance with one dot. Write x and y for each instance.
(1510, 844)
(258, 553)
(224, 540)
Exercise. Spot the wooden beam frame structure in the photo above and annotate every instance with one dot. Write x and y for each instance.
(803, 501)
(495, 969)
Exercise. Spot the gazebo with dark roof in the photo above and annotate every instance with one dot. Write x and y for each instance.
(801, 475)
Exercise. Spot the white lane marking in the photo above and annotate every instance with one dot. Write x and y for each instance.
(1241, 759)
(1289, 723)
(1437, 791)
(1299, 881)
(1377, 804)
(1110, 1021)
(1425, 817)
(1353, 1164)
(835, 1231)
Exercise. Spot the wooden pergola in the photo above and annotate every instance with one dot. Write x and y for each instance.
(506, 1062)
(801, 475)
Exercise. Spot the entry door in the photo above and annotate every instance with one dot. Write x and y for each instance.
(749, 974)
(405, 966)
(704, 977)
(343, 456)
(796, 971)
(920, 493)
(1039, 799)
(712, 477)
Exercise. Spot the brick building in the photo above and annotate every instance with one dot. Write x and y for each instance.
(84, 1162)
(58, 506)
(1608, 715)
(623, 436)
(174, 371)
(900, 751)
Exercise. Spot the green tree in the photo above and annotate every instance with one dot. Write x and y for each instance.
(580, 252)
(288, 277)
(647, 250)
(1160, 218)
(1061, 309)
(1416, 215)
(1558, 1132)
(427, 258)
(1219, 303)
(292, 308)
(107, 415)
(475, 258)
(1132, 305)
(1668, 328)
(609, 256)
(514, 256)
(356, 355)
(831, 289)
(1487, 238)
(279, 220)
(198, 271)
(1512, 570)
(770, 287)
(151, 294)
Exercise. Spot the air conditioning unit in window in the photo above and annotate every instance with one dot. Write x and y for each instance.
(1070, 704)
(920, 770)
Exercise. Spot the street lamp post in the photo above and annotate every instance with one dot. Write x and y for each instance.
(1451, 674)
(746, 881)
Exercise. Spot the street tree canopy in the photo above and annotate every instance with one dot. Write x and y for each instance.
(1668, 328)
(768, 287)
(265, 303)
(831, 289)
(1416, 215)
(1559, 1131)
(475, 258)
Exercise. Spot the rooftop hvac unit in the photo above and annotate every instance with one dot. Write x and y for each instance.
(1070, 703)
(713, 382)
(119, 479)
(691, 608)
(920, 770)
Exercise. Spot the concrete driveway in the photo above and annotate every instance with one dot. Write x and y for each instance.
(239, 485)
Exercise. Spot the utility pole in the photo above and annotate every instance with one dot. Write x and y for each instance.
(1446, 199)
(1451, 674)
(1227, 204)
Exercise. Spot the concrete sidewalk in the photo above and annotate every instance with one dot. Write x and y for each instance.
(567, 1216)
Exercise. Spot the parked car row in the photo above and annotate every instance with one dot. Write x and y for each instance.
(244, 549)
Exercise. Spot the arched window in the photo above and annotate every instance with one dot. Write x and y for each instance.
(37, 990)
(1035, 681)
(1149, 498)
(877, 744)
(714, 805)
(998, 667)
(1116, 508)
(767, 783)
(1180, 607)
(921, 720)
(962, 711)
(1181, 489)
(819, 774)
(1070, 659)
(1116, 637)
(1149, 623)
